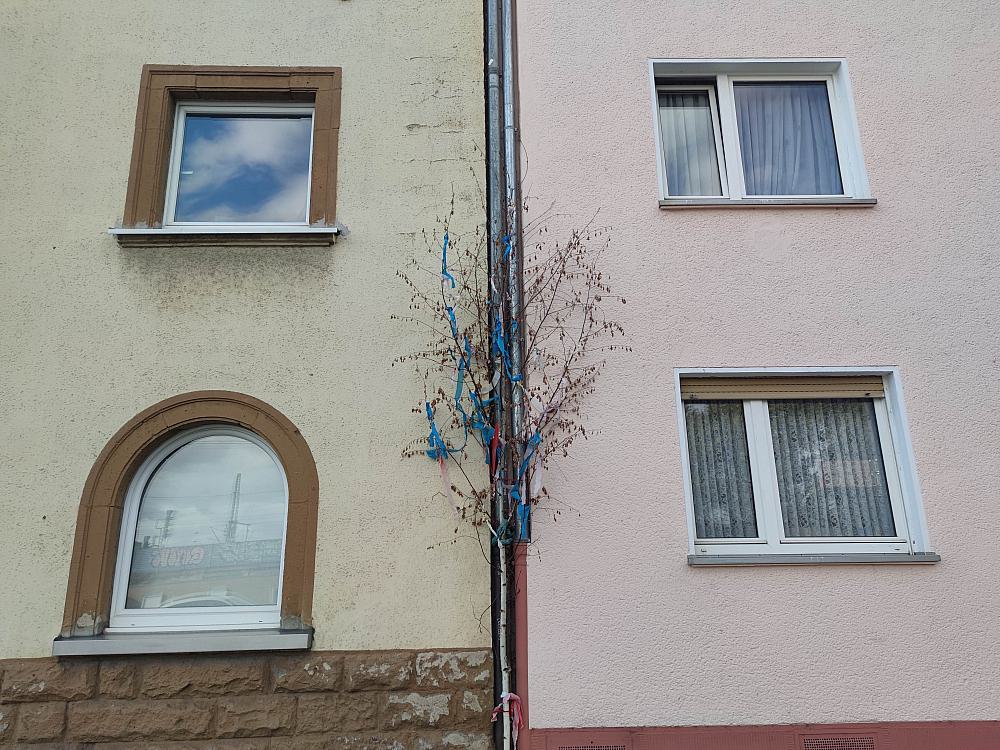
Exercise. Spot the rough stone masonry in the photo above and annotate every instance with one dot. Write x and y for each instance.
(378, 700)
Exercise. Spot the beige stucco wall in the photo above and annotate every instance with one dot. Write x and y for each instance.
(91, 333)
(622, 631)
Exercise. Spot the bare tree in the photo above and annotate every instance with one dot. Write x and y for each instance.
(466, 366)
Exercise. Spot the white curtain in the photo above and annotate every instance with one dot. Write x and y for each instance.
(720, 470)
(689, 143)
(786, 138)
(831, 477)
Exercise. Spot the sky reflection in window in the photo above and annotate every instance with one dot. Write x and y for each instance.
(244, 168)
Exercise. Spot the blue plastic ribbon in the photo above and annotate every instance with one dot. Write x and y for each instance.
(524, 509)
(479, 421)
(503, 535)
(445, 275)
(500, 349)
(463, 364)
(533, 442)
(523, 522)
(438, 449)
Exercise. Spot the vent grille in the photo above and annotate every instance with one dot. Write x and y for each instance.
(839, 743)
(593, 747)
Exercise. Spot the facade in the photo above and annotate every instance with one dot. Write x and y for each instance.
(259, 359)
(779, 537)
(668, 607)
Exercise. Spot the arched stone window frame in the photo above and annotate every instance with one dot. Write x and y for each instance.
(99, 521)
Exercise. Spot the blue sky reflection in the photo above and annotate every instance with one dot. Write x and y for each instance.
(244, 168)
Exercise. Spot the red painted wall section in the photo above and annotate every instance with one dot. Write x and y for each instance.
(960, 735)
(521, 638)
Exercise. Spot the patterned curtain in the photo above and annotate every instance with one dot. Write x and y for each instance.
(831, 477)
(720, 470)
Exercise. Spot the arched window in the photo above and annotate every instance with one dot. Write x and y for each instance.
(199, 515)
(203, 535)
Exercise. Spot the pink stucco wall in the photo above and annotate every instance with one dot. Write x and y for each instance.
(622, 632)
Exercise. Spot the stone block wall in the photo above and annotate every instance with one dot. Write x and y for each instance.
(382, 700)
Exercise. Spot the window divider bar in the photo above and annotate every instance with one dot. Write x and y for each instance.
(174, 163)
(730, 137)
(720, 149)
(768, 479)
(760, 500)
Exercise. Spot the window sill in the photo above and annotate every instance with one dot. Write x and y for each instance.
(274, 236)
(184, 643)
(847, 558)
(832, 202)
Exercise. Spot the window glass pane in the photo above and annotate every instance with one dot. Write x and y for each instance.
(689, 143)
(786, 138)
(831, 477)
(720, 470)
(210, 526)
(244, 168)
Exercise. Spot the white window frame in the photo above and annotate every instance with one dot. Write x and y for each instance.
(137, 620)
(897, 453)
(183, 109)
(721, 75)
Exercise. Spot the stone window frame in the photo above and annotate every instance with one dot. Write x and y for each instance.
(163, 86)
(99, 521)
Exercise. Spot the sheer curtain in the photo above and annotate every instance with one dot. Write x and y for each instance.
(831, 477)
(689, 143)
(786, 138)
(720, 470)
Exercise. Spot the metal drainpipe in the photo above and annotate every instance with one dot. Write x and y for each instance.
(496, 214)
(514, 266)
(512, 190)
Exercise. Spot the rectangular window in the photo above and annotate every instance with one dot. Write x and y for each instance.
(793, 465)
(757, 132)
(234, 155)
(239, 165)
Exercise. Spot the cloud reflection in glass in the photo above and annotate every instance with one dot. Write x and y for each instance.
(210, 528)
(240, 168)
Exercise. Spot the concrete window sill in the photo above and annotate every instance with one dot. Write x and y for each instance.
(183, 643)
(877, 558)
(833, 202)
(214, 236)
